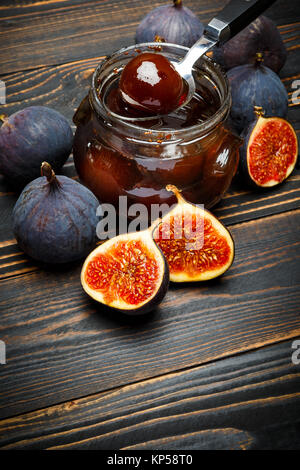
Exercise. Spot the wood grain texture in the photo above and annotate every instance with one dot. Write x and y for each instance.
(48, 33)
(61, 345)
(251, 401)
(63, 31)
(60, 29)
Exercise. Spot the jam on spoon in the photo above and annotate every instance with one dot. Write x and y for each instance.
(149, 82)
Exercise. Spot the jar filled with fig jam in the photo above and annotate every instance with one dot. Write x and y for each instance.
(118, 152)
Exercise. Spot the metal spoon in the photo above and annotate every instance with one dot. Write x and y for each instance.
(236, 15)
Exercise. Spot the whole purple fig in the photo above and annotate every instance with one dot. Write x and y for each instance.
(31, 136)
(261, 35)
(174, 23)
(255, 85)
(54, 219)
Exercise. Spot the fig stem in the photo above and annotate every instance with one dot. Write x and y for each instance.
(180, 199)
(159, 39)
(258, 110)
(177, 3)
(3, 117)
(46, 170)
(259, 58)
(176, 191)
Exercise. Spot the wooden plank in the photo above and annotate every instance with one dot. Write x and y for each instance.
(61, 345)
(48, 33)
(241, 204)
(251, 401)
(60, 32)
(60, 87)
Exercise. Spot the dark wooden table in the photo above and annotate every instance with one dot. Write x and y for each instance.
(212, 366)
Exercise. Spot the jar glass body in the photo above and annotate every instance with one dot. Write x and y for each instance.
(116, 157)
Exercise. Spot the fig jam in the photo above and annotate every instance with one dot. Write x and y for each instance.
(203, 105)
(122, 151)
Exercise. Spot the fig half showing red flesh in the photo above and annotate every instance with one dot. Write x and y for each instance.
(270, 150)
(128, 273)
(196, 245)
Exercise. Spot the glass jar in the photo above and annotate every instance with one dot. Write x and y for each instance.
(120, 156)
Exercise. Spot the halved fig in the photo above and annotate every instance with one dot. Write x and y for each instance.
(128, 273)
(196, 245)
(270, 150)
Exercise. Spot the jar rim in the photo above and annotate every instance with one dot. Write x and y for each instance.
(201, 128)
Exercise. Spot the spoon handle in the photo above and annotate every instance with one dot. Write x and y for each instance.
(236, 15)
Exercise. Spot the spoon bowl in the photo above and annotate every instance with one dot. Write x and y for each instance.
(236, 15)
(185, 66)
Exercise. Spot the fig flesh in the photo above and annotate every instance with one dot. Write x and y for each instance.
(261, 35)
(255, 85)
(127, 273)
(196, 245)
(270, 150)
(174, 23)
(31, 136)
(54, 219)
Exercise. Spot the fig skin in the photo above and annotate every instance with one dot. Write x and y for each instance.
(258, 123)
(148, 305)
(255, 85)
(174, 23)
(29, 137)
(54, 219)
(261, 35)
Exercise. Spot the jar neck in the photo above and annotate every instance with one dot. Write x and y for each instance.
(128, 127)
